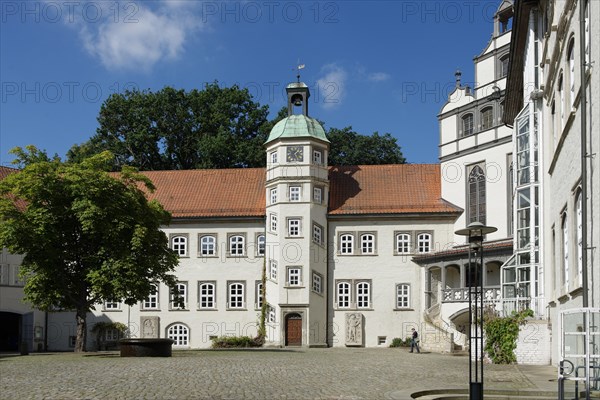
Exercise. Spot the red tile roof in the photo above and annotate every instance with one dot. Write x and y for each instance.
(387, 189)
(210, 192)
(5, 171)
(354, 190)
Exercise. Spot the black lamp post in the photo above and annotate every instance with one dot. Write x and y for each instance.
(475, 232)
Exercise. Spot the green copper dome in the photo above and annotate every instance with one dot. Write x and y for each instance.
(297, 126)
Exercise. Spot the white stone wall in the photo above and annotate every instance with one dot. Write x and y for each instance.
(534, 345)
(384, 270)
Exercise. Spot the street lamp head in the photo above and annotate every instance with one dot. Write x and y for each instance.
(475, 231)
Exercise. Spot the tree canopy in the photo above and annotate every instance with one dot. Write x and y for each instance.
(87, 236)
(210, 128)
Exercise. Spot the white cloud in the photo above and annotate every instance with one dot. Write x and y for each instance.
(378, 77)
(140, 37)
(332, 85)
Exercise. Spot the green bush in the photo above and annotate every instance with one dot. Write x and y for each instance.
(226, 342)
(399, 342)
(502, 334)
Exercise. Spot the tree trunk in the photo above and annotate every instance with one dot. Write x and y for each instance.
(81, 331)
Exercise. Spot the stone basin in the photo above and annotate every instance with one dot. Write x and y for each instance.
(135, 347)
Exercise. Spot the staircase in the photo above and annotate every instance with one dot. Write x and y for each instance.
(433, 319)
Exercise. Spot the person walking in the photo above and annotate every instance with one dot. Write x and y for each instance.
(415, 341)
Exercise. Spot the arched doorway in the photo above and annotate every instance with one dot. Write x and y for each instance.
(293, 330)
(10, 327)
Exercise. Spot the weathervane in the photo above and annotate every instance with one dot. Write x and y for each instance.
(298, 68)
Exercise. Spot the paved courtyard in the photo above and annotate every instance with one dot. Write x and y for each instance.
(251, 374)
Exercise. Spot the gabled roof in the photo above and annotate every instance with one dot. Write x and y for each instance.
(387, 189)
(210, 192)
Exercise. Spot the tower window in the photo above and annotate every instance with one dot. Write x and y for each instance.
(477, 198)
(487, 118)
(467, 125)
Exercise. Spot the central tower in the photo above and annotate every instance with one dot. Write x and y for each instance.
(297, 192)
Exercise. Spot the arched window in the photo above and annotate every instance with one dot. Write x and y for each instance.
(179, 245)
(571, 60)
(343, 294)
(363, 295)
(261, 245)
(565, 253)
(236, 245)
(467, 124)
(208, 246)
(561, 107)
(236, 295)
(207, 295)
(487, 118)
(346, 244)
(403, 243)
(424, 243)
(477, 195)
(578, 213)
(179, 333)
(367, 243)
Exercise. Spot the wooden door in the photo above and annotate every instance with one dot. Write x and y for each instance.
(293, 330)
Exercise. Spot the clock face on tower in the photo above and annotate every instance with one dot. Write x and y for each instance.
(295, 154)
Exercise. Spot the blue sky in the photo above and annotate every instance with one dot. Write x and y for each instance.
(383, 66)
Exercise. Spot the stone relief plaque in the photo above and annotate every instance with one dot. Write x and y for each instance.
(354, 329)
(149, 327)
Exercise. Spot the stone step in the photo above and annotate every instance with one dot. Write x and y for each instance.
(463, 394)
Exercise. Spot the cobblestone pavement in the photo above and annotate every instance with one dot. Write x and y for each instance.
(251, 374)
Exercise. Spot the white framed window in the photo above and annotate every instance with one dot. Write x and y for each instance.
(467, 124)
(273, 156)
(571, 60)
(403, 295)
(236, 245)
(424, 242)
(294, 276)
(367, 243)
(261, 243)
(112, 305)
(317, 234)
(343, 294)
(208, 245)
(273, 222)
(294, 193)
(235, 294)
(179, 334)
(487, 118)
(293, 227)
(273, 270)
(317, 283)
(258, 294)
(179, 245)
(403, 243)
(273, 195)
(17, 279)
(579, 218)
(179, 296)
(560, 100)
(363, 295)
(317, 195)
(347, 243)
(207, 295)
(151, 302)
(565, 237)
(476, 200)
(271, 314)
(317, 157)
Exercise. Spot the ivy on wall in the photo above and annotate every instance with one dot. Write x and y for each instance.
(502, 334)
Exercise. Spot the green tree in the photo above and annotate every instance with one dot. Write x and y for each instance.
(86, 235)
(351, 148)
(174, 129)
